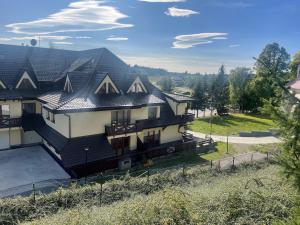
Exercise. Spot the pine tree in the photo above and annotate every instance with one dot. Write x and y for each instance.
(220, 91)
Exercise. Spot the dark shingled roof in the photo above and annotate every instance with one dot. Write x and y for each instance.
(179, 98)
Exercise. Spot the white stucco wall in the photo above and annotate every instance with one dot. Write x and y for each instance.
(61, 124)
(170, 134)
(180, 107)
(89, 123)
(15, 136)
(139, 114)
(31, 137)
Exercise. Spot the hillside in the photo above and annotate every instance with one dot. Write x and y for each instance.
(254, 194)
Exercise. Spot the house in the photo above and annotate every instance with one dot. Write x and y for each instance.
(87, 108)
(295, 85)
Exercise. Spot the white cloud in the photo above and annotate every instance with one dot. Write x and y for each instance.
(89, 15)
(162, 0)
(219, 38)
(234, 46)
(173, 11)
(62, 43)
(112, 38)
(192, 40)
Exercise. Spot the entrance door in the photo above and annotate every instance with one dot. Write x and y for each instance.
(4, 139)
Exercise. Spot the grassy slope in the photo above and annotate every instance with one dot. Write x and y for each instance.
(228, 198)
(232, 124)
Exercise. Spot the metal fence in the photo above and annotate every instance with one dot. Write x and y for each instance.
(52, 185)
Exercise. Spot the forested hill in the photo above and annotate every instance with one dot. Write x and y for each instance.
(148, 71)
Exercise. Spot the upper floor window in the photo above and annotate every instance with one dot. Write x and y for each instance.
(152, 113)
(68, 86)
(4, 111)
(26, 82)
(107, 87)
(120, 116)
(137, 87)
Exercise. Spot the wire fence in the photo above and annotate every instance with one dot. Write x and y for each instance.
(48, 186)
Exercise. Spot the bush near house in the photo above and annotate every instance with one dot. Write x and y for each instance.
(201, 196)
(252, 195)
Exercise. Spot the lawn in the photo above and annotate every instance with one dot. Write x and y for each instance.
(232, 124)
(219, 152)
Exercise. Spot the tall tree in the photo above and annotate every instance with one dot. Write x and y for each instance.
(199, 95)
(272, 64)
(220, 91)
(239, 88)
(166, 84)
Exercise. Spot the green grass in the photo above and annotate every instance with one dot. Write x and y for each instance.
(232, 124)
(251, 195)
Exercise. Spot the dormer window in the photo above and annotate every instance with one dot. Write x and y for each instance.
(26, 82)
(107, 87)
(68, 86)
(137, 87)
(2, 86)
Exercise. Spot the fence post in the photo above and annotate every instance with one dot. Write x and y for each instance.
(183, 169)
(148, 175)
(267, 155)
(211, 164)
(101, 189)
(233, 160)
(251, 157)
(33, 189)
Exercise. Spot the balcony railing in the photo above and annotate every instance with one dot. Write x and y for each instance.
(188, 117)
(122, 128)
(7, 122)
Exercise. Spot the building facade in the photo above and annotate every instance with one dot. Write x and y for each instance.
(87, 108)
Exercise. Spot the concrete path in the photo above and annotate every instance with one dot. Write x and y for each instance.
(240, 140)
(21, 167)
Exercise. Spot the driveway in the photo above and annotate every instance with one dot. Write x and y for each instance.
(20, 168)
(240, 140)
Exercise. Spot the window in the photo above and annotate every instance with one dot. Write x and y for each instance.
(28, 108)
(47, 115)
(25, 82)
(4, 111)
(152, 139)
(137, 87)
(68, 87)
(152, 113)
(52, 117)
(106, 87)
(120, 116)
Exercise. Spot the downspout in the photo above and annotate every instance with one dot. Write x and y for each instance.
(69, 117)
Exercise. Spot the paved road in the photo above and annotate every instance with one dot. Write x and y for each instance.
(240, 140)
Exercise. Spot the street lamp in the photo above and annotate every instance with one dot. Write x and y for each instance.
(86, 149)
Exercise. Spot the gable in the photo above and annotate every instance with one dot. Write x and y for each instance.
(26, 82)
(2, 86)
(107, 86)
(68, 86)
(137, 87)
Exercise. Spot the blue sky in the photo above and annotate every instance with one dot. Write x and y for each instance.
(178, 35)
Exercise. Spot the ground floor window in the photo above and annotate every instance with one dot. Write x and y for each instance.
(152, 139)
(121, 145)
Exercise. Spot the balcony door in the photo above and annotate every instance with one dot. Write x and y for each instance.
(152, 139)
(120, 116)
(121, 145)
(28, 108)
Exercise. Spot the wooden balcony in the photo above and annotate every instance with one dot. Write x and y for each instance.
(122, 128)
(7, 122)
